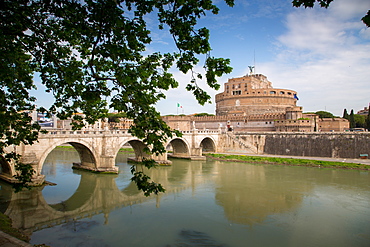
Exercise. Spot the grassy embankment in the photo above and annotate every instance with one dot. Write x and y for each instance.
(287, 161)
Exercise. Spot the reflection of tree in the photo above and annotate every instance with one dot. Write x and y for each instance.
(249, 193)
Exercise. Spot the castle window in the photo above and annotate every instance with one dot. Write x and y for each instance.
(272, 92)
(281, 92)
(289, 93)
(233, 86)
(237, 92)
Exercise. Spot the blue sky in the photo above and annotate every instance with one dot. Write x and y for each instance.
(323, 54)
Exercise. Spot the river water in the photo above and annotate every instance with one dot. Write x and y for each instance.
(207, 203)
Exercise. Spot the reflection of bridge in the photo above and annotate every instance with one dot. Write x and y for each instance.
(98, 149)
(97, 194)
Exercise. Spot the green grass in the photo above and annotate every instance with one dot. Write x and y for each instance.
(64, 147)
(288, 161)
(126, 150)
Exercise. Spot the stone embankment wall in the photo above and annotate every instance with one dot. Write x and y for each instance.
(336, 145)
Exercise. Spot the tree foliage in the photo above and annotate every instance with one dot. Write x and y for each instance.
(345, 114)
(360, 121)
(87, 52)
(115, 117)
(351, 118)
(203, 114)
(325, 4)
(355, 120)
(324, 114)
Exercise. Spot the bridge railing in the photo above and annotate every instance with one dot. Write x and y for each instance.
(87, 132)
(115, 132)
(200, 131)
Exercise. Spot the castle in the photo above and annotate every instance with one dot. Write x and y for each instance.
(251, 104)
(247, 104)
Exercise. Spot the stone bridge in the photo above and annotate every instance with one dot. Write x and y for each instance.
(98, 149)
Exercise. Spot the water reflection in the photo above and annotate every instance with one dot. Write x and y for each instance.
(210, 200)
(249, 194)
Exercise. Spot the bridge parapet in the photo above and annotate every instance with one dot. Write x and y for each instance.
(200, 131)
(85, 132)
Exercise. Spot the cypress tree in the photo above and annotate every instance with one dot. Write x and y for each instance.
(368, 118)
(352, 122)
(345, 114)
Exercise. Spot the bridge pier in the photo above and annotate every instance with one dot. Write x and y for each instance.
(161, 159)
(106, 164)
(195, 154)
(8, 176)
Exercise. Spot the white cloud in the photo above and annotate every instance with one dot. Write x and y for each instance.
(345, 9)
(324, 56)
(185, 98)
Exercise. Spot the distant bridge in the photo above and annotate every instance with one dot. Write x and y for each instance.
(98, 149)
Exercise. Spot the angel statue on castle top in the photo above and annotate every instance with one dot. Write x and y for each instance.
(251, 70)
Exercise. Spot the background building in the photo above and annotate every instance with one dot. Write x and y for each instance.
(253, 95)
(250, 103)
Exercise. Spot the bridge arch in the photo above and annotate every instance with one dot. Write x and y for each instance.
(86, 153)
(138, 147)
(6, 168)
(180, 147)
(208, 144)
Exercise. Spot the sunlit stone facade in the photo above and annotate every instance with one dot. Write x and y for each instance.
(253, 95)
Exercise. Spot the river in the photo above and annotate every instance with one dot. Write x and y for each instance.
(207, 203)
